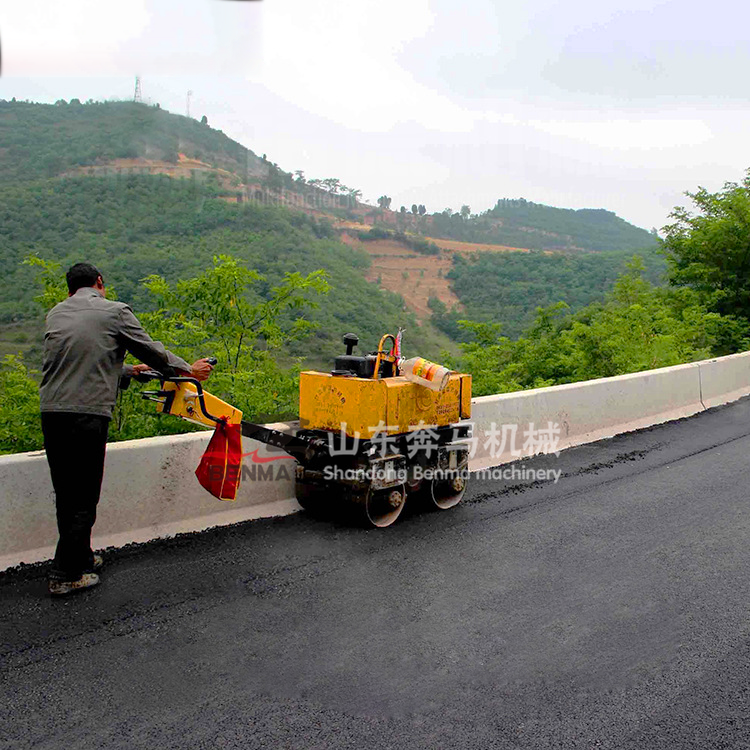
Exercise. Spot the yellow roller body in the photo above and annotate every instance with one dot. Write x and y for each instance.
(359, 405)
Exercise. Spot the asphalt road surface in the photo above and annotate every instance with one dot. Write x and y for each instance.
(611, 610)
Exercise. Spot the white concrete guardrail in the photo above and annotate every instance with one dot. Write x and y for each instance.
(150, 489)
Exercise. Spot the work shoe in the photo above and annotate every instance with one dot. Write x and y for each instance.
(61, 588)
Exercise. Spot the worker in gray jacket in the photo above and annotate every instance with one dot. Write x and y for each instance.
(85, 342)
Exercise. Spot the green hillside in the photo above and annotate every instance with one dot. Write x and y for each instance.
(133, 226)
(507, 288)
(45, 140)
(521, 223)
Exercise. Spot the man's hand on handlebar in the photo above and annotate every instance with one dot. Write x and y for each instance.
(201, 369)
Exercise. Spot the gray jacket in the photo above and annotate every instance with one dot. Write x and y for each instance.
(85, 342)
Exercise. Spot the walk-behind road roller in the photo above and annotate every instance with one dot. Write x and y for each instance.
(368, 440)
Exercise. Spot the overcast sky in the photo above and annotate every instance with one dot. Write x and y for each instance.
(578, 104)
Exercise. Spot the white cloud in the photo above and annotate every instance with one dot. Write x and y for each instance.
(626, 134)
(339, 60)
(75, 37)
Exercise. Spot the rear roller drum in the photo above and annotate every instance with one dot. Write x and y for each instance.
(446, 492)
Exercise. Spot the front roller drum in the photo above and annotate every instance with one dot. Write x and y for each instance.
(378, 507)
(363, 506)
(375, 500)
(379, 499)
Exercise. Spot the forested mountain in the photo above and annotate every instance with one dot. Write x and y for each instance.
(521, 223)
(45, 140)
(507, 288)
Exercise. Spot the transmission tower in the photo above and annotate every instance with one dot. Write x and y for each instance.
(187, 107)
(137, 95)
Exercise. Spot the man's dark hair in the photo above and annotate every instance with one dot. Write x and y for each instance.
(81, 275)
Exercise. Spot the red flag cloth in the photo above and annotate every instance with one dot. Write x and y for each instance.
(220, 469)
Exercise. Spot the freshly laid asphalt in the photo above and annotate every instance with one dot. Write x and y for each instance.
(611, 610)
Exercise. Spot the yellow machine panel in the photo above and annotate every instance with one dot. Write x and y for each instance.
(185, 404)
(358, 405)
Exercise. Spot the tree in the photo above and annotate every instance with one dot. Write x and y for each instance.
(215, 308)
(465, 212)
(204, 120)
(274, 179)
(414, 209)
(422, 210)
(20, 426)
(332, 185)
(353, 196)
(709, 251)
(384, 202)
(218, 311)
(48, 275)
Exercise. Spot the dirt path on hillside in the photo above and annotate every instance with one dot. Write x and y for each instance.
(414, 276)
(474, 247)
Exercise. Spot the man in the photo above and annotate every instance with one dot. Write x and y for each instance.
(85, 342)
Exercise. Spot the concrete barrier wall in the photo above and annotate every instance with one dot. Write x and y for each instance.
(150, 489)
(584, 412)
(725, 379)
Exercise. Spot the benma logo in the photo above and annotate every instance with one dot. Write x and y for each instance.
(254, 472)
(256, 459)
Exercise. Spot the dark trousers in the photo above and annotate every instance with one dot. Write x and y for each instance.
(75, 446)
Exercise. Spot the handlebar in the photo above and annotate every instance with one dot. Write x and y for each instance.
(162, 395)
(146, 375)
